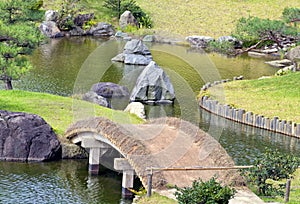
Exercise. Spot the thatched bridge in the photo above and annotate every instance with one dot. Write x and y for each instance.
(165, 142)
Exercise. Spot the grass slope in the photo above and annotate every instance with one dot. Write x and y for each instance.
(193, 17)
(276, 96)
(56, 110)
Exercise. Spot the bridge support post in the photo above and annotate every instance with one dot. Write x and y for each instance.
(122, 164)
(94, 161)
(127, 182)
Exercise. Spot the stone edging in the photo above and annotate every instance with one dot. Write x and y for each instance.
(241, 116)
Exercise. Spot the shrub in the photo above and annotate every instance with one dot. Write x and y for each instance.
(204, 192)
(291, 15)
(225, 47)
(67, 13)
(253, 29)
(272, 165)
(117, 7)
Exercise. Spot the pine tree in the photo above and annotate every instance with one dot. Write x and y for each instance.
(18, 37)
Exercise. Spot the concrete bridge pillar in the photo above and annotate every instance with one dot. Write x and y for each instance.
(122, 164)
(96, 150)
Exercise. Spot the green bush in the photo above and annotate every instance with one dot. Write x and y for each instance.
(225, 47)
(204, 193)
(291, 14)
(253, 29)
(117, 7)
(67, 13)
(272, 165)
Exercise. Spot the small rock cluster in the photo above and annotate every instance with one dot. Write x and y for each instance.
(50, 29)
(203, 41)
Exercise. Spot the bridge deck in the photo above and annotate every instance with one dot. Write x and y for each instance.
(165, 142)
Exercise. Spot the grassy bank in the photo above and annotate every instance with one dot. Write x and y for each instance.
(156, 199)
(277, 96)
(56, 110)
(193, 17)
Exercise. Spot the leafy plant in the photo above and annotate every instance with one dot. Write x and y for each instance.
(291, 15)
(204, 192)
(117, 7)
(69, 9)
(225, 47)
(18, 37)
(272, 165)
(251, 30)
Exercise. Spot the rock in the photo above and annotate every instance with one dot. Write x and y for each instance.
(256, 54)
(95, 98)
(49, 29)
(120, 34)
(149, 38)
(294, 56)
(264, 77)
(153, 85)
(199, 41)
(81, 19)
(102, 30)
(280, 63)
(109, 90)
(136, 47)
(137, 59)
(77, 31)
(127, 19)
(51, 15)
(136, 108)
(119, 58)
(237, 44)
(27, 137)
(135, 53)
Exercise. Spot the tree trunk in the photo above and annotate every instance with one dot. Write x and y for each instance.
(8, 84)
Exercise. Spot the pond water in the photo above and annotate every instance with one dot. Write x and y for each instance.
(71, 65)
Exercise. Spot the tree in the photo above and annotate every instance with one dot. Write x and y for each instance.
(18, 37)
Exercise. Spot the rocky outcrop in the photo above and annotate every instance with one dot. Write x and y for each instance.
(101, 30)
(127, 19)
(110, 90)
(135, 52)
(50, 29)
(199, 41)
(95, 98)
(279, 63)
(153, 86)
(27, 137)
(81, 19)
(136, 108)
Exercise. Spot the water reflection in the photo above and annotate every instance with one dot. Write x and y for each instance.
(244, 143)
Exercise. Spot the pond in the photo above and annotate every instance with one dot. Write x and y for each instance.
(71, 65)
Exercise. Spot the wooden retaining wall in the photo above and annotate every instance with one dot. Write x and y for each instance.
(241, 116)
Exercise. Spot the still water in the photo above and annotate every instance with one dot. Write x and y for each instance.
(71, 65)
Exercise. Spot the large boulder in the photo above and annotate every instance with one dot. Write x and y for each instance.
(110, 90)
(77, 31)
(127, 19)
(51, 15)
(95, 98)
(50, 29)
(27, 137)
(135, 53)
(153, 86)
(101, 30)
(199, 41)
(294, 56)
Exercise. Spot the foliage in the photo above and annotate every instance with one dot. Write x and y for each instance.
(156, 199)
(225, 47)
(87, 25)
(18, 37)
(291, 14)
(204, 192)
(253, 29)
(117, 7)
(271, 166)
(67, 13)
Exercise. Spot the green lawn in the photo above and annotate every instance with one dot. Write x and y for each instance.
(276, 96)
(156, 199)
(57, 110)
(193, 17)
